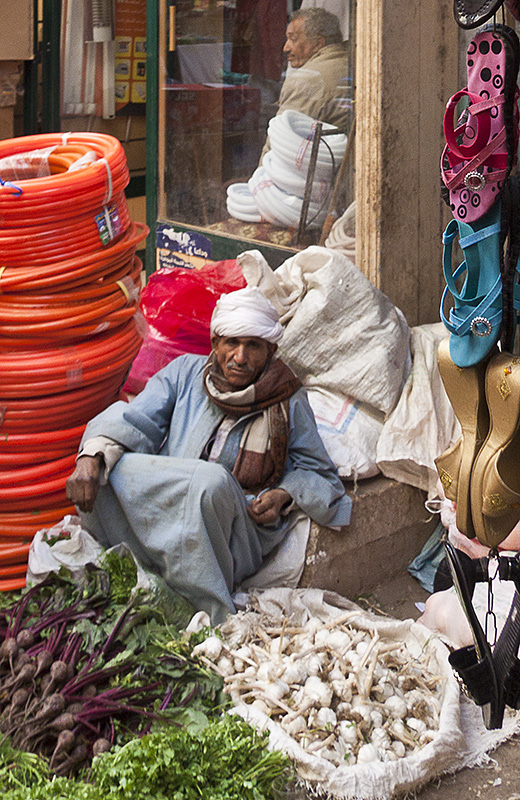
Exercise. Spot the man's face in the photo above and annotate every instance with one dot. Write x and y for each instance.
(242, 358)
(298, 47)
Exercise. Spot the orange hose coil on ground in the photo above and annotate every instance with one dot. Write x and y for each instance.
(69, 292)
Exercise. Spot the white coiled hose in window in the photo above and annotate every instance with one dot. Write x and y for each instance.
(241, 204)
(285, 209)
(275, 191)
(290, 136)
(292, 180)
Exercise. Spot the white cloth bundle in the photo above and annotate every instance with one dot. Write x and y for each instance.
(246, 312)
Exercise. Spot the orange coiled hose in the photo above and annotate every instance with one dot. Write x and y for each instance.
(69, 292)
(60, 241)
(93, 185)
(76, 271)
(72, 408)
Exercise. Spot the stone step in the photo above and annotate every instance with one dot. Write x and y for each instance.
(389, 527)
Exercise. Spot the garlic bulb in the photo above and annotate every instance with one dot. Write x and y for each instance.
(296, 725)
(326, 717)
(317, 690)
(348, 732)
(367, 753)
(210, 647)
(396, 706)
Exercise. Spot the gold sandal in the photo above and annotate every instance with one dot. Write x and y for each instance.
(465, 387)
(495, 482)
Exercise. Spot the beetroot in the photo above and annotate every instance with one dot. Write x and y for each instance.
(44, 660)
(51, 708)
(9, 651)
(64, 744)
(62, 722)
(25, 639)
(100, 746)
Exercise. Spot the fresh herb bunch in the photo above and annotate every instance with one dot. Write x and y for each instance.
(224, 760)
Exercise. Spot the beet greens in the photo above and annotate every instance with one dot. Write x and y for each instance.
(90, 665)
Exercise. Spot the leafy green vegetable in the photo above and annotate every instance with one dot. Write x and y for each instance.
(127, 682)
(122, 570)
(225, 760)
(19, 769)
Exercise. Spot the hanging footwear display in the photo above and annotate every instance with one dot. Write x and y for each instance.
(478, 363)
(473, 13)
(481, 148)
(474, 663)
(475, 319)
(495, 477)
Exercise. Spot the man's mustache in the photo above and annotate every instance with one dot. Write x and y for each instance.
(241, 367)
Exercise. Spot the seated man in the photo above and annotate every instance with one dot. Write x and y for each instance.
(317, 83)
(199, 472)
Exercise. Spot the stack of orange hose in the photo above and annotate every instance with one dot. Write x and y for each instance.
(69, 291)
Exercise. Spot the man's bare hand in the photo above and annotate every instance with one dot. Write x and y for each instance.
(83, 484)
(266, 508)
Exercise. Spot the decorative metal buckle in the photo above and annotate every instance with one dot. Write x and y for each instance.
(474, 181)
(481, 321)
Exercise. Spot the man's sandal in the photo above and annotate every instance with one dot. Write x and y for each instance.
(481, 151)
(474, 664)
(473, 13)
(465, 388)
(475, 319)
(495, 479)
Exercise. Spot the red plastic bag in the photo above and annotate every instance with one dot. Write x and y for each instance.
(177, 304)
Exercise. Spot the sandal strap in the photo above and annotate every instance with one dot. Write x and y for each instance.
(481, 313)
(479, 160)
(483, 122)
(459, 325)
(489, 307)
(467, 239)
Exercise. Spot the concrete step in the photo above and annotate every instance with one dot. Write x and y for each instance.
(389, 527)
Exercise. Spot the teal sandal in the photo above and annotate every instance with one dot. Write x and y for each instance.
(476, 317)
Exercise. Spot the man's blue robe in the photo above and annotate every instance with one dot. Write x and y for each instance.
(184, 517)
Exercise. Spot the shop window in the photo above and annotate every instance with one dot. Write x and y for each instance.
(223, 82)
(103, 74)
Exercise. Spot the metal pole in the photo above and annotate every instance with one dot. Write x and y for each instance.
(51, 34)
(152, 121)
(308, 183)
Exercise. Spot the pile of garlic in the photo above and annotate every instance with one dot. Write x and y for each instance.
(343, 693)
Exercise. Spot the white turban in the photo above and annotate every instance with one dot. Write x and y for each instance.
(246, 312)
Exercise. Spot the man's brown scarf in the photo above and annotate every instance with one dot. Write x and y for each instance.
(264, 444)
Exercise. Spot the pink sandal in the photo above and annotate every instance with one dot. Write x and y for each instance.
(481, 151)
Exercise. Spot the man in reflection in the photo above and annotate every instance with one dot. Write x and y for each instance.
(317, 79)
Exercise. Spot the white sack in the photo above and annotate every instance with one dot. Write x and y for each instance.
(349, 430)
(343, 233)
(342, 334)
(423, 424)
(375, 780)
